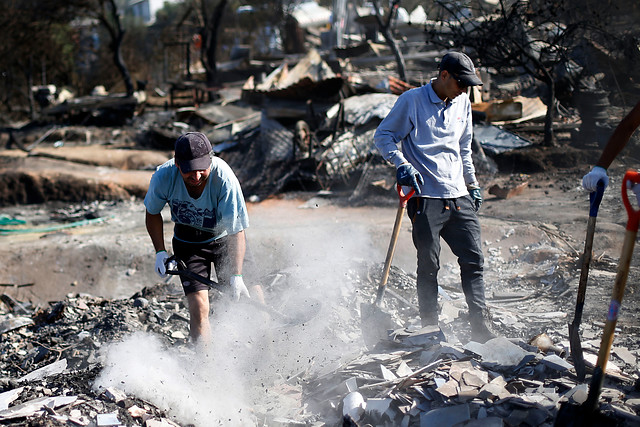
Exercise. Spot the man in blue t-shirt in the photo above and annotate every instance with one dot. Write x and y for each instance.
(210, 216)
(433, 125)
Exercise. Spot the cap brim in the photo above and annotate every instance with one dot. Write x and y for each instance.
(199, 164)
(470, 80)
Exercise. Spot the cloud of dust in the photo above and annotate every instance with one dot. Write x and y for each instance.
(192, 387)
(254, 358)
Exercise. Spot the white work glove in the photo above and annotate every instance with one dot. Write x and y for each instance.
(590, 180)
(161, 268)
(238, 287)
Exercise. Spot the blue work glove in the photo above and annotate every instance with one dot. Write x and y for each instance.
(590, 180)
(408, 176)
(476, 194)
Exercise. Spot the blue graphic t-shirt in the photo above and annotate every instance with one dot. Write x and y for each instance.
(220, 209)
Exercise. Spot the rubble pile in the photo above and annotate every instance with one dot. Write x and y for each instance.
(50, 357)
(436, 376)
(53, 356)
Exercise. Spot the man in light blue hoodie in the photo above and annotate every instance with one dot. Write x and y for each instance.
(433, 125)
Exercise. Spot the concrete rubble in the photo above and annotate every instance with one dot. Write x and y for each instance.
(51, 356)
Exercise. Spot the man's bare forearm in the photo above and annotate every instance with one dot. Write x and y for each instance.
(237, 248)
(620, 137)
(155, 228)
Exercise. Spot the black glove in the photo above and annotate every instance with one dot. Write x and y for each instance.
(408, 176)
(476, 194)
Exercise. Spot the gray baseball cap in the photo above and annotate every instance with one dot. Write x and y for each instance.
(193, 152)
(461, 68)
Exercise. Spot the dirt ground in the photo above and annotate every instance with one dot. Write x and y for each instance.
(112, 256)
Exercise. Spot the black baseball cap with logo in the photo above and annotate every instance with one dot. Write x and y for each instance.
(460, 66)
(193, 152)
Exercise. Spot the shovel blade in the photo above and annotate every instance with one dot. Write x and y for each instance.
(375, 324)
(576, 351)
(587, 413)
(574, 415)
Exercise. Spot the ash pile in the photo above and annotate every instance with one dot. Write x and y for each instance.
(89, 361)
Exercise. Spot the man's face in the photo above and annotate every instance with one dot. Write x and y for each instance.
(195, 178)
(453, 86)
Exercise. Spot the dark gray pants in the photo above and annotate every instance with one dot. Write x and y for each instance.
(454, 220)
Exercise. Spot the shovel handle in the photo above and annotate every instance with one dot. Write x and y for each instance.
(181, 270)
(594, 203)
(595, 197)
(177, 267)
(618, 292)
(404, 198)
(634, 214)
(392, 243)
(574, 327)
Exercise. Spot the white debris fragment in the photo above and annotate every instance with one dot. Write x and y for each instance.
(107, 420)
(354, 405)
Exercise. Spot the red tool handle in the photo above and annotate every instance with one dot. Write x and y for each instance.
(404, 198)
(634, 214)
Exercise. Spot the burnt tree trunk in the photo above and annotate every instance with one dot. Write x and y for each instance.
(210, 41)
(548, 118)
(385, 29)
(116, 46)
(114, 27)
(32, 107)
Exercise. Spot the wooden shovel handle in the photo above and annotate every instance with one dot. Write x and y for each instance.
(623, 270)
(594, 203)
(392, 243)
(618, 292)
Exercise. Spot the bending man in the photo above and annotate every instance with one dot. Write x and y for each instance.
(210, 216)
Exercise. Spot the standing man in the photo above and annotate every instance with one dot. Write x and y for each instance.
(210, 216)
(433, 124)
